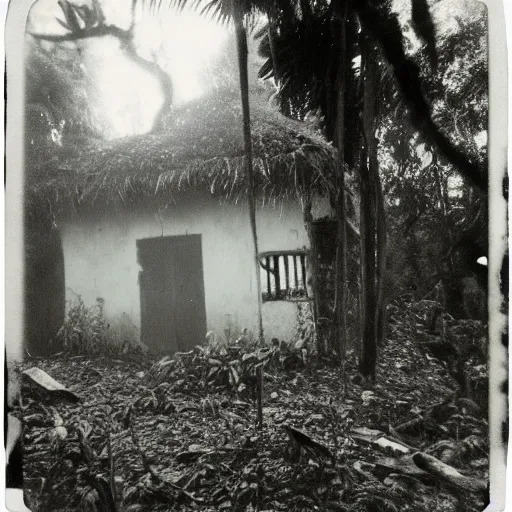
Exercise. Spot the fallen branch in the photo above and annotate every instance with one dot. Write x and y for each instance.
(448, 474)
(377, 438)
(405, 465)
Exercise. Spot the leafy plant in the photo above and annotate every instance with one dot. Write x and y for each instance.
(85, 329)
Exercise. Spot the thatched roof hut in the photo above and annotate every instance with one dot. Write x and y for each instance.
(170, 275)
(201, 148)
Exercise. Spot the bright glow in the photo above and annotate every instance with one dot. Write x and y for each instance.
(482, 261)
(185, 44)
(455, 184)
(424, 155)
(125, 97)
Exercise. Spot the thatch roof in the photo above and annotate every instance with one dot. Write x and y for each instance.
(200, 148)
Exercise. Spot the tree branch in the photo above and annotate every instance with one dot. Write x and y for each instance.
(99, 31)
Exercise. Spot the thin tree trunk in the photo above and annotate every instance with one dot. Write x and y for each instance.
(380, 211)
(369, 345)
(443, 201)
(435, 168)
(362, 247)
(340, 28)
(241, 40)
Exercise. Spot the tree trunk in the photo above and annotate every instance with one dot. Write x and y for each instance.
(443, 201)
(313, 262)
(241, 40)
(362, 255)
(449, 474)
(339, 29)
(368, 184)
(382, 243)
(368, 266)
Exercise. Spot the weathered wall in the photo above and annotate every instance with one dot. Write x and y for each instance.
(101, 260)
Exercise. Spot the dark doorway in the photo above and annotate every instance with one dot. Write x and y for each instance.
(44, 303)
(173, 313)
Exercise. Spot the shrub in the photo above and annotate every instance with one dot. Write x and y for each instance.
(85, 329)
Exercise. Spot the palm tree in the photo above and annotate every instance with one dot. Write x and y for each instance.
(304, 50)
(237, 11)
(241, 41)
(383, 27)
(339, 26)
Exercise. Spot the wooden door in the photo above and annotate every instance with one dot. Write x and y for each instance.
(173, 313)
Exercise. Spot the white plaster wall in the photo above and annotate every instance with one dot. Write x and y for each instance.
(101, 260)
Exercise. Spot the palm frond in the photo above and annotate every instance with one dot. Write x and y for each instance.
(218, 10)
(304, 54)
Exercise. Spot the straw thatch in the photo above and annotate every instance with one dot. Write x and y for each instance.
(200, 148)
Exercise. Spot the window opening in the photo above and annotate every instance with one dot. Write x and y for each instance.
(283, 275)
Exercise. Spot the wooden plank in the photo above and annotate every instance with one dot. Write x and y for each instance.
(286, 270)
(296, 273)
(303, 264)
(269, 286)
(186, 288)
(378, 438)
(277, 277)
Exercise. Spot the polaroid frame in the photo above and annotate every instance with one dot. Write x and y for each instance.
(499, 59)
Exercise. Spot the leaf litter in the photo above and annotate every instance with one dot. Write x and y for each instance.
(180, 434)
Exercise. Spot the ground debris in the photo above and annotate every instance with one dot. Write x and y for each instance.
(197, 446)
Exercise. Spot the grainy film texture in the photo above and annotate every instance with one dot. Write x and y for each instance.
(255, 254)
